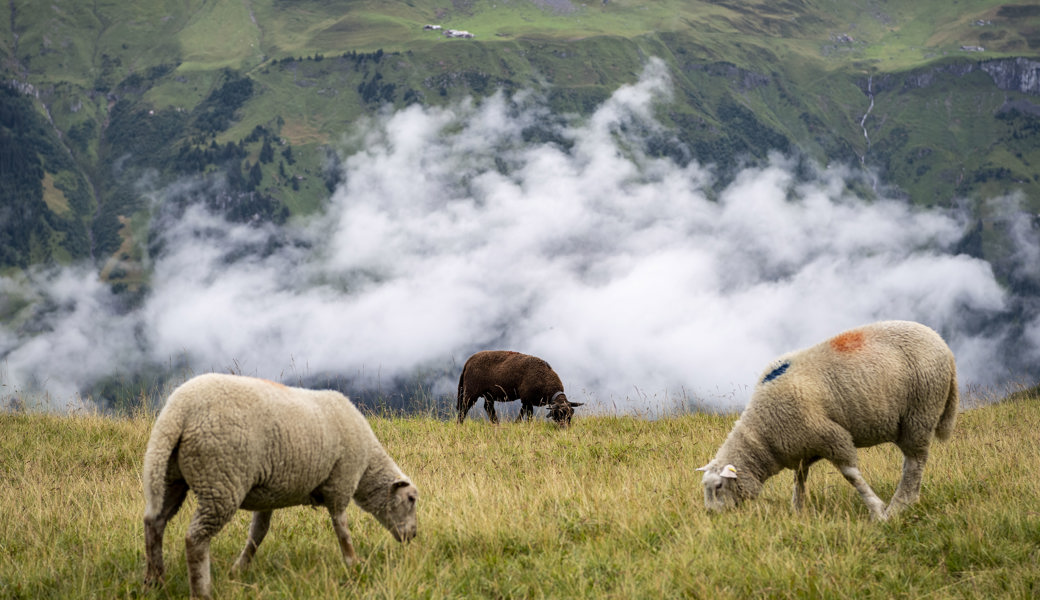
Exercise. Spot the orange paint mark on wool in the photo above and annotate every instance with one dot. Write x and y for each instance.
(274, 383)
(849, 341)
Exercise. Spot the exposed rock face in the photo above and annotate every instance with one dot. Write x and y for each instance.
(1015, 74)
(1009, 74)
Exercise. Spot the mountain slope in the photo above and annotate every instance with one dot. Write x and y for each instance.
(257, 94)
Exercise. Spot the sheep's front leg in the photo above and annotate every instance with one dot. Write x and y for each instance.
(257, 530)
(874, 503)
(339, 524)
(798, 496)
(909, 488)
(801, 474)
(489, 408)
(526, 413)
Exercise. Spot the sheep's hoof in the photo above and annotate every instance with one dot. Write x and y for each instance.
(353, 563)
(896, 507)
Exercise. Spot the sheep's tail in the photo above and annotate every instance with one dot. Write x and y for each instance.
(458, 398)
(165, 437)
(949, 416)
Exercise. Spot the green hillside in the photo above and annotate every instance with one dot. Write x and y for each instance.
(261, 92)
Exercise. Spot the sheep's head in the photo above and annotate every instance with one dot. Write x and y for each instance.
(561, 409)
(726, 487)
(398, 514)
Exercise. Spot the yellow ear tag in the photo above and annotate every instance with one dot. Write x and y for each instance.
(729, 472)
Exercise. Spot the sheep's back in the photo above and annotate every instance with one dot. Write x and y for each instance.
(507, 369)
(265, 443)
(873, 381)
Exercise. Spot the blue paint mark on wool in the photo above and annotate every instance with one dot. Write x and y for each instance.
(776, 372)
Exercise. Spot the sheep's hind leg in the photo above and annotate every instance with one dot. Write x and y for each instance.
(841, 451)
(208, 520)
(339, 524)
(464, 404)
(257, 530)
(874, 503)
(155, 527)
(909, 488)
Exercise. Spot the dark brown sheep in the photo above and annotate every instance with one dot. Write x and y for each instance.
(503, 376)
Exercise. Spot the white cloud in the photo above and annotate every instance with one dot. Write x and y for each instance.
(452, 234)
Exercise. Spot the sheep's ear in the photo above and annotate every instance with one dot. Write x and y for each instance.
(575, 403)
(729, 472)
(704, 468)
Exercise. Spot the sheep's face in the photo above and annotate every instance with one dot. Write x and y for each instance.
(562, 409)
(722, 488)
(399, 514)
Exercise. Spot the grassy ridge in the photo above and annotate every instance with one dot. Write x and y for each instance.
(610, 508)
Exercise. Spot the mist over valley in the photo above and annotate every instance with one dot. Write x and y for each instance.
(647, 282)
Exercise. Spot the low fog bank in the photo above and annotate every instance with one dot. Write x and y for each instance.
(454, 230)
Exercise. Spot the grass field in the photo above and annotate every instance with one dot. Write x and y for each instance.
(611, 508)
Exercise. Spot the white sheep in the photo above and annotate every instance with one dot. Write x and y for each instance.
(892, 381)
(241, 442)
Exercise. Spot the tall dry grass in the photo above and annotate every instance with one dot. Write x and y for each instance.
(610, 508)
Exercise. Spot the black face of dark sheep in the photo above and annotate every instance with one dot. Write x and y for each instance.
(503, 376)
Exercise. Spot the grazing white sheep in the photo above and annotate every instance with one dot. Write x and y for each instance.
(892, 381)
(241, 442)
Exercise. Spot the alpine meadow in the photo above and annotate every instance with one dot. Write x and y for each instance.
(609, 508)
(656, 198)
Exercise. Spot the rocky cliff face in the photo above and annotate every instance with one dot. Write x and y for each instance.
(1014, 74)
(1009, 74)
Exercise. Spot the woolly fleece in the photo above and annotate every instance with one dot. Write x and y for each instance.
(504, 376)
(241, 442)
(891, 381)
